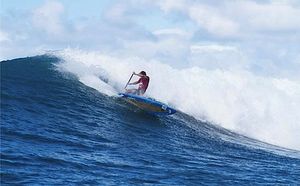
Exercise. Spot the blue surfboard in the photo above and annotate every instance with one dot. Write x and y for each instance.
(149, 105)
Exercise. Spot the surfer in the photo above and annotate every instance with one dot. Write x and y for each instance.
(143, 84)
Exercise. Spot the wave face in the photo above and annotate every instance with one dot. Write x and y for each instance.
(61, 124)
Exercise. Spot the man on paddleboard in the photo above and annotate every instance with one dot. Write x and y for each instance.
(143, 83)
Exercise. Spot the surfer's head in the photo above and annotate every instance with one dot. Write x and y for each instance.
(143, 73)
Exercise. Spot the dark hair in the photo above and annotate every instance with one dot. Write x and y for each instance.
(143, 73)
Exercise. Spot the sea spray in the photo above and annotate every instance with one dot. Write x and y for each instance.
(260, 107)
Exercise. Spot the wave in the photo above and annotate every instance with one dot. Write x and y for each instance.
(262, 108)
(55, 129)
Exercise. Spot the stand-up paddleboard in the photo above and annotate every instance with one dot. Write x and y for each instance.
(149, 105)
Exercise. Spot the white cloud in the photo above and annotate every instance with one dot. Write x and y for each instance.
(212, 47)
(116, 12)
(48, 17)
(172, 32)
(171, 50)
(169, 5)
(276, 16)
(4, 36)
(205, 16)
(210, 19)
(238, 18)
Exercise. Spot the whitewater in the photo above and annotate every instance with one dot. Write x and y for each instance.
(260, 107)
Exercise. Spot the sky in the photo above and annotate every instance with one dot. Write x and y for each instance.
(260, 36)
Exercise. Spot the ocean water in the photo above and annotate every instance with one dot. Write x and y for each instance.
(62, 123)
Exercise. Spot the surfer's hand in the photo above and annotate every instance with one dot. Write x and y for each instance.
(133, 73)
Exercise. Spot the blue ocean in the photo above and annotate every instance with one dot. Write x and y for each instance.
(57, 128)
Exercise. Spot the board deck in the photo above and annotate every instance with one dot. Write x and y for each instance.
(148, 104)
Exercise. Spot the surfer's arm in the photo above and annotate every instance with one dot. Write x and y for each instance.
(134, 83)
(140, 75)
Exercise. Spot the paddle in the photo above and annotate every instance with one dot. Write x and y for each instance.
(129, 80)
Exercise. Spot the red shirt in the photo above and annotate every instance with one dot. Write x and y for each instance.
(144, 81)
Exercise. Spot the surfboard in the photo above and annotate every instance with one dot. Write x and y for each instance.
(149, 105)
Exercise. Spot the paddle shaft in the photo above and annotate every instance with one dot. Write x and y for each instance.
(128, 80)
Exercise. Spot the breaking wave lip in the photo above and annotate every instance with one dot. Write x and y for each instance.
(259, 107)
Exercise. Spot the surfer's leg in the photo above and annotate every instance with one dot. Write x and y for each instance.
(140, 92)
(131, 91)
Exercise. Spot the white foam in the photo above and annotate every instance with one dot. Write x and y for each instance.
(263, 108)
